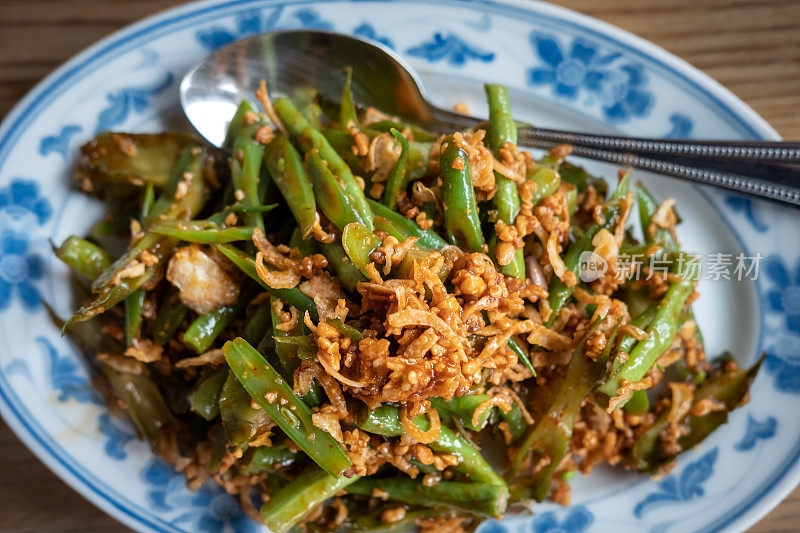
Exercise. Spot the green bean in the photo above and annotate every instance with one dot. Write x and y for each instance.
(641, 321)
(345, 329)
(547, 182)
(135, 302)
(306, 247)
(171, 313)
(309, 139)
(286, 409)
(247, 154)
(661, 332)
(289, 355)
(481, 498)
(728, 388)
(172, 203)
(401, 227)
(342, 143)
(461, 219)
(303, 345)
(294, 297)
(347, 109)
(647, 208)
(268, 459)
(133, 315)
(420, 135)
(205, 329)
(113, 159)
(331, 196)
(286, 167)
(502, 130)
(549, 438)
(560, 292)
(397, 177)
(663, 238)
(85, 258)
(242, 423)
(463, 408)
(148, 200)
(237, 123)
(577, 176)
(385, 421)
(111, 290)
(345, 270)
(522, 355)
(144, 403)
(516, 423)
(294, 501)
(359, 243)
(257, 325)
(202, 231)
(639, 404)
(204, 397)
(305, 98)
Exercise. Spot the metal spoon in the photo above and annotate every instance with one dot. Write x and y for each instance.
(293, 59)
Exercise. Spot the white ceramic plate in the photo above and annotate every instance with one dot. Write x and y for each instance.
(566, 70)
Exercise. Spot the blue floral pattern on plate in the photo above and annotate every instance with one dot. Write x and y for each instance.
(757, 430)
(20, 268)
(744, 205)
(450, 48)
(116, 436)
(209, 508)
(368, 31)
(22, 197)
(620, 86)
(784, 294)
(253, 22)
(59, 143)
(783, 361)
(130, 100)
(687, 486)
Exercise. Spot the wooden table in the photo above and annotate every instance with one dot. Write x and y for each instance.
(750, 46)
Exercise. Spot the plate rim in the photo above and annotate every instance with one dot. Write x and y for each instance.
(765, 501)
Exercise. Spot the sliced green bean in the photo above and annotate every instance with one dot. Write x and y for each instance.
(461, 219)
(268, 459)
(385, 421)
(287, 171)
(401, 227)
(85, 258)
(294, 501)
(359, 243)
(111, 290)
(202, 231)
(310, 139)
(331, 196)
(661, 332)
(345, 270)
(171, 313)
(204, 397)
(397, 177)
(242, 423)
(285, 408)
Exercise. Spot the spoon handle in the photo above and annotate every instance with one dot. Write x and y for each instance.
(751, 151)
(765, 169)
(768, 170)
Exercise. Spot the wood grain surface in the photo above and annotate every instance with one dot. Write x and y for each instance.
(750, 46)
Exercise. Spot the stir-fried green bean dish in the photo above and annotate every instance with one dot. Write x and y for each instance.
(355, 324)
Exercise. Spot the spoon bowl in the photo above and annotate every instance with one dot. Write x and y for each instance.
(292, 60)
